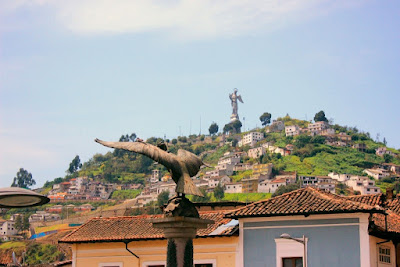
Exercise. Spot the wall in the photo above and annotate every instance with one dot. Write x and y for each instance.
(331, 240)
(221, 251)
(374, 252)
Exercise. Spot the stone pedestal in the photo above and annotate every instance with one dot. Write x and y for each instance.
(234, 117)
(180, 232)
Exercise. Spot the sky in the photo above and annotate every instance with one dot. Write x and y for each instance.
(72, 71)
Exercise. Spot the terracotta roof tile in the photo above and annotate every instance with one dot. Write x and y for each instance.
(136, 228)
(302, 202)
(372, 200)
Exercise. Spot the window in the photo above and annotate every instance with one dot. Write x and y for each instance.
(203, 265)
(292, 262)
(384, 254)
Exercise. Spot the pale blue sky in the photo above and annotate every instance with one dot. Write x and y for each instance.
(71, 71)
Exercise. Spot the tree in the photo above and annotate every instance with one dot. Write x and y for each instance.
(213, 128)
(388, 158)
(236, 126)
(75, 165)
(163, 198)
(219, 192)
(384, 141)
(18, 223)
(200, 199)
(320, 116)
(285, 189)
(24, 179)
(265, 118)
(228, 128)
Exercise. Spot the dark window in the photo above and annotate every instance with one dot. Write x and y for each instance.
(292, 262)
(203, 265)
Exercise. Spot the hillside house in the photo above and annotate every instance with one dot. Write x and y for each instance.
(249, 185)
(377, 174)
(166, 187)
(344, 137)
(363, 184)
(225, 169)
(340, 177)
(251, 139)
(230, 158)
(360, 147)
(336, 143)
(242, 167)
(55, 209)
(7, 230)
(262, 171)
(381, 151)
(155, 176)
(213, 182)
(233, 188)
(318, 127)
(393, 168)
(327, 132)
(42, 216)
(268, 186)
(256, 152)
(292, 130)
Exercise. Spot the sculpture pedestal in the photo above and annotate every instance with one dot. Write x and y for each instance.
(234, 117)
(180, 232)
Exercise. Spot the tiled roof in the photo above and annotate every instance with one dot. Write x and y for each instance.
(130, 228)
(372, 200)
(379, 199)
(302, 202)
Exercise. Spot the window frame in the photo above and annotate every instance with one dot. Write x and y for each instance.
(384, 255)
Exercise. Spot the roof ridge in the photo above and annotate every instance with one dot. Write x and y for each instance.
(337, 198)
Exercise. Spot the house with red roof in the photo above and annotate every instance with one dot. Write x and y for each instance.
(312, 227)
(133, 241)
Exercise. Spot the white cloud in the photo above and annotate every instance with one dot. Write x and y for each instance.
(182, 18)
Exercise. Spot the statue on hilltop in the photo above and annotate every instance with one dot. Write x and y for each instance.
(234, 102)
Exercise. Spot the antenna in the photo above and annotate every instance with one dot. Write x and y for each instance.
(190, 128)
(200, 126)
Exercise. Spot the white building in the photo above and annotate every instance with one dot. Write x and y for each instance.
(7, 229)
(230, 158)
(256, 152)
(251, 139)
(340, 177)
(292, 130)
(155, 176)
(377, 173)
(363, 184)
(318, 127)
(381, 151)
(213, 182)
(268, 186)
(42, 216)
(167, 186)
(225, 169)
(233, 188)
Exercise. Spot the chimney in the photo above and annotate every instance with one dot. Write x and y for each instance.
(389, 193)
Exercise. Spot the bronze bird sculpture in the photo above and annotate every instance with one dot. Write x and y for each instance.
(182, 166)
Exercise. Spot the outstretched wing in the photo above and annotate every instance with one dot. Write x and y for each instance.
(170, 161)
(191, 161)
(240, 98)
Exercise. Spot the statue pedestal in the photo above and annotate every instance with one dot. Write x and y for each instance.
(180, 232)
(234, 117)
